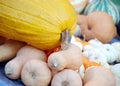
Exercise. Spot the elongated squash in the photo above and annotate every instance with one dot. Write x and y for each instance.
(36, 22)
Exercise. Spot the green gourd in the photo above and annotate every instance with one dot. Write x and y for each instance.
(105, 6)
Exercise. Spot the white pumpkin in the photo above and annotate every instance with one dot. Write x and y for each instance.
(116, 71)
(116, 45)
(102, 53)
(110, 52)
(79, 5)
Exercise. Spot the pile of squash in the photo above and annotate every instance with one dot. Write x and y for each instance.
(55, 67)
(37, 41)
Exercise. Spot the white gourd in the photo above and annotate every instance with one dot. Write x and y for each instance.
(116, 71)
(116, 45)
(110, 52)
(102, 53)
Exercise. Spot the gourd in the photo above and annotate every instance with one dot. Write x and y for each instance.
(79, 5)
(36, 73)
(108, 51)
(66, 77)
(95, 28)
(116, 69)
(105, 6)
(9, 49)
(69, 58)
(39, 23)
(13, 67)
(116, 45)
(99, 76)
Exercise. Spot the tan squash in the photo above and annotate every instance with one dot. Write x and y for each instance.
(98, 25)
(68, 58)
(36, 73)
(99, 76)
(13, 67)
(66, 77)
(9, 49)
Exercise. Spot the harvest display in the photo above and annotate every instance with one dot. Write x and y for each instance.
(38, 40)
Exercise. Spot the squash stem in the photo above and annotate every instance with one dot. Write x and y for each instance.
(66, 38)
(54, 64)
(8, 71)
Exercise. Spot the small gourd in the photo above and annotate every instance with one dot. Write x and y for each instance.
(99, 76)
(36, 73)
(66, 77)
(105, 6)
(70, 58)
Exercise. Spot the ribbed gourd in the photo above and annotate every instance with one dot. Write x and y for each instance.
(105, 6)
(37, 22)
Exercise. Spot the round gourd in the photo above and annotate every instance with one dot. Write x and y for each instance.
(36, 22)
(94, 27)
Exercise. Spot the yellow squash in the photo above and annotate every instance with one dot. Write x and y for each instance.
(36, 22)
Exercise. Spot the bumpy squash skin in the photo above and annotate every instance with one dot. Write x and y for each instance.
(37, 22)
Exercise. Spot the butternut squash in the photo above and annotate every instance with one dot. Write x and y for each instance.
(36, 73)
(66, 77)
(69, 58)
(13, 67)
(9, 49)
(37, 22)
(99, 76)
